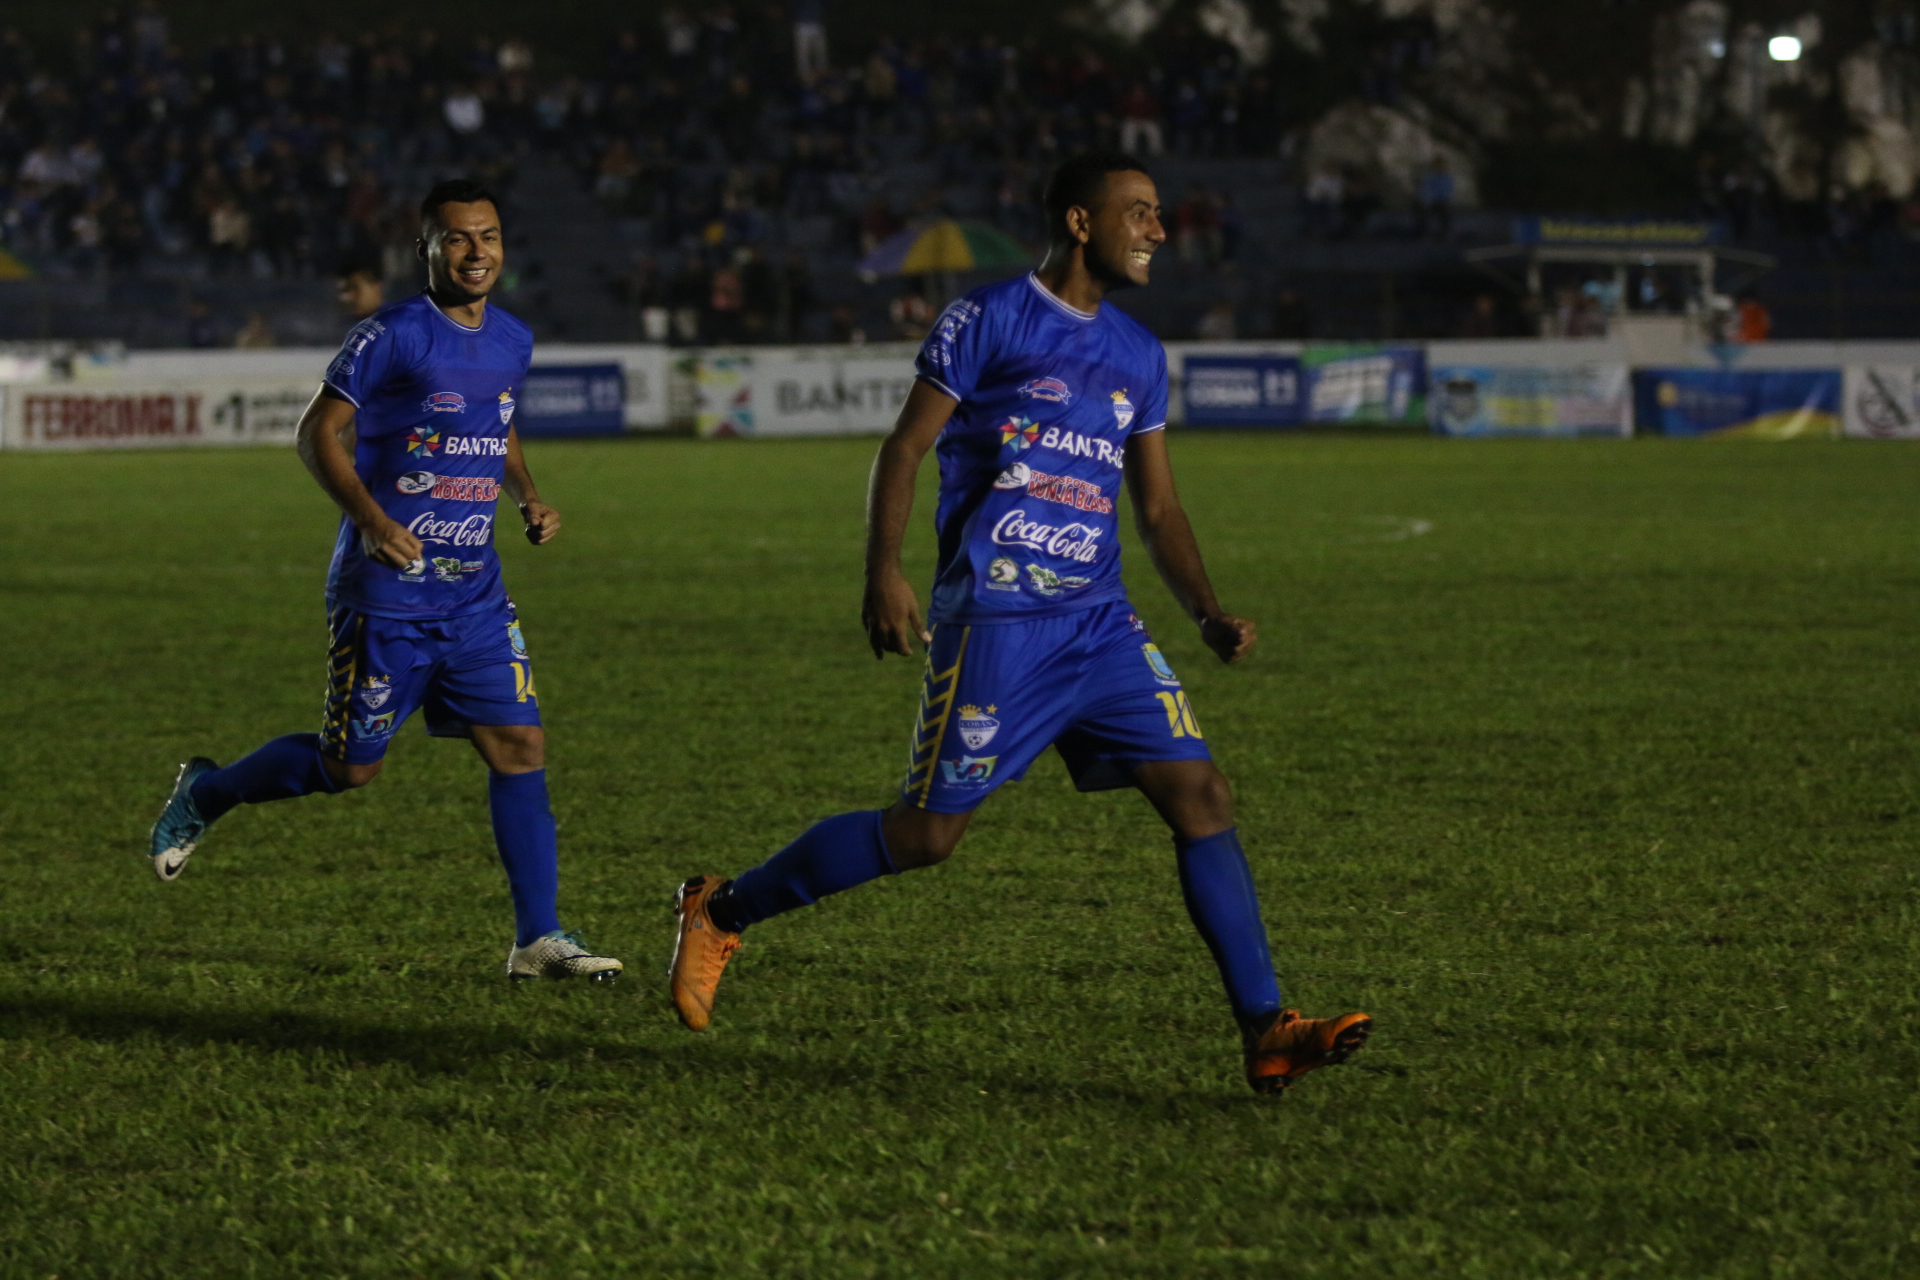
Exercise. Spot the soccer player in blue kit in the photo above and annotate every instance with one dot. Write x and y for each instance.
(412, 436)
(1041, 400)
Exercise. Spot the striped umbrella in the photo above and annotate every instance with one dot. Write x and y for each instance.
(943, 247)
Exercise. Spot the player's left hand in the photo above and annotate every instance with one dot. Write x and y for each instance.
(543, 522)
(1228, 636)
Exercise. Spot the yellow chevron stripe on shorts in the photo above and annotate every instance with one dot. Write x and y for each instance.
(936, 704)
(343, 668)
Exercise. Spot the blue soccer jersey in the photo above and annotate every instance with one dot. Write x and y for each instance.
(434, 400)
(1030, 462)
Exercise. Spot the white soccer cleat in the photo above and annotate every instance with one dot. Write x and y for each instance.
(560, 955)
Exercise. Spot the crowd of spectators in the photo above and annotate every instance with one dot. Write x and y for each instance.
(264, 157)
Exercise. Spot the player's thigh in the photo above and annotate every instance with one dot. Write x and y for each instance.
(1135, 712)
(990, 702)
(377, 675)
(486, 679)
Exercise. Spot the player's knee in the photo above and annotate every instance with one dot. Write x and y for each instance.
(917, 838)
(1205, 804)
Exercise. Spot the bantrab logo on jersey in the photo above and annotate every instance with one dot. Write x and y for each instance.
(421, 443)
(1017, 435)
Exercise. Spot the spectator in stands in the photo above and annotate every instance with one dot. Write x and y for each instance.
(1482, 320)
(1196, 228)
(255, 335)
(1755, 322)
(1140, 131)
(357, 285)
(1326, 199)
(1217, 324)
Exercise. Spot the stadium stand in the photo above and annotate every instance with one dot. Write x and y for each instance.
(705, 184)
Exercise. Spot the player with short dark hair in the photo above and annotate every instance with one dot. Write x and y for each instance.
(417, 614)
(1041, 400)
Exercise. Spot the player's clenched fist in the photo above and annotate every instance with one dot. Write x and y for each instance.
(1230, 637)
(543, 522)
(390, 542)
(891, 616)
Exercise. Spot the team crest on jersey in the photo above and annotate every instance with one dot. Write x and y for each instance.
(1017, 435)
(514, 638)
(977, 727)
(376, 691)
(968, 771)
(421, 443)
(1014, 477)
(445, 402)
(1047, 389)
(506, 405)
(1122, 408)
(1162, 669)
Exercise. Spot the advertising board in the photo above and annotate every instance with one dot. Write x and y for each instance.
(1241, 391)
(1365, 385)
(1494, 400)
(801, 391)
(573, 400)
(111, 415)
(1882, 401)
(1761, 404)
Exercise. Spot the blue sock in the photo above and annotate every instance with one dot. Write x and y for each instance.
(830, 856)
(529, 847)
(284, 768)
(1218, 886)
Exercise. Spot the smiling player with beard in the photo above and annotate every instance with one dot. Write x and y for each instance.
(416, 610)
(1041, 399)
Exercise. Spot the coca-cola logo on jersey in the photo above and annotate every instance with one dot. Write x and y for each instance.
(473, 531)
(1077, 542)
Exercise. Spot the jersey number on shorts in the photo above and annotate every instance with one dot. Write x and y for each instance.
(523, 685)
(1180, 715)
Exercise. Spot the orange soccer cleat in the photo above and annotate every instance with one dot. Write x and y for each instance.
(1294, 1045)
(700, 954)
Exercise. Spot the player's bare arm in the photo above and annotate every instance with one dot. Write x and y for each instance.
(322, 444)
(889, 610)
(543, 522)
(1168, 536)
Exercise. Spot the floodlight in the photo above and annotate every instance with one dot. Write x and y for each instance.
(1784, 48)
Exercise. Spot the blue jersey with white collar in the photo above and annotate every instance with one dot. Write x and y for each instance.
(433, 401)
(1031, 461)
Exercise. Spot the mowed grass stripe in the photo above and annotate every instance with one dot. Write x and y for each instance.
(1587, 768)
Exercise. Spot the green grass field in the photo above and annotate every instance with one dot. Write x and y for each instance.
(1596, 786)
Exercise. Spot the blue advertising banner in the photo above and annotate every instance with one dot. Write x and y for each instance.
(1366, 385)
(1241, 391)
(1764, 404)
(573, 400)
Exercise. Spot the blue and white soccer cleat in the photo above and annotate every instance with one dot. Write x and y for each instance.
(560, 955)
(180, 826)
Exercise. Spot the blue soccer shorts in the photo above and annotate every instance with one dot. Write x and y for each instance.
(462, 671)
(1091, 684)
